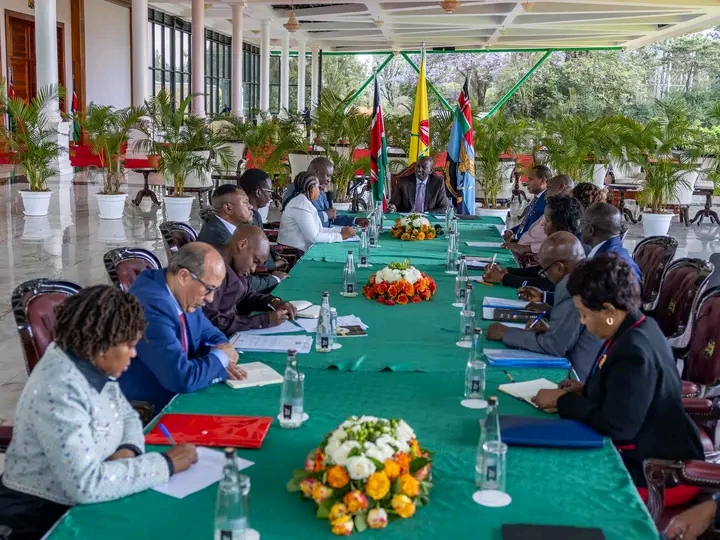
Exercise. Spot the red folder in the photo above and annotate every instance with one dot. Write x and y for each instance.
(212, 430)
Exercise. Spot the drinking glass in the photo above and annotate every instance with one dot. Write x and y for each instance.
(460, 290)
(467, 329)
(475, 378)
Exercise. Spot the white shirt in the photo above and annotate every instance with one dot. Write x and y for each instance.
(594, 250)
(229, 226)
(300, 226)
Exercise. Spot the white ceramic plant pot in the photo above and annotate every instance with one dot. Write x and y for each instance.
(502, 213)
(111, 206)
(599, 173)
(178, 208)
(36, 203)
(238, 149)
(656, 224)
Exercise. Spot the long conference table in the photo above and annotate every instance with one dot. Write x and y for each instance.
(407, 367)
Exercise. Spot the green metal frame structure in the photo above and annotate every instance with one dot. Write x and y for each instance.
(405, 54)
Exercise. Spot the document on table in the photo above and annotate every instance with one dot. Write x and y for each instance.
(527, 390)
(202, 474)
(334, 229)
(274, 343)
(310, 325)
(496, 245)
(507, 307)
(476, 264)
(503, 303)
(478, 279)
(258, 374)
(284, 328)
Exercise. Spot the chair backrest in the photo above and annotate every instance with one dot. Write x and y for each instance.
(175, 235)
(299, 163)
(123, 265)
(652, 255)
(681, 288)
(33, 304)
(703, 359)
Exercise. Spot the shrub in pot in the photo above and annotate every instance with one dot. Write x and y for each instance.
(33, 144)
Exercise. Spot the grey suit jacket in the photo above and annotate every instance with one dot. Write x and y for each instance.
(215, 233)
(566, 336)
(435, 198)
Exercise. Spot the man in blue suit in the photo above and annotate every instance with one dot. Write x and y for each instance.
(181, 351)
(323, 168)
(601, 227)
(538, 178)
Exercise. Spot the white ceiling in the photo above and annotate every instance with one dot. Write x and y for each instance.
(364, 26)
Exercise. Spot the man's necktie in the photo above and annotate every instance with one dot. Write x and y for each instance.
(183, 333)
(420, 198)
(527, 215)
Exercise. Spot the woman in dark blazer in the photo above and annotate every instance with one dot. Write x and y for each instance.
(632, 394)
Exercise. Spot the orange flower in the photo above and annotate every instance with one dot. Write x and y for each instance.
(368, 292)
(415, 299)
(409, 486)
(403, 505)
(430, 235)
(408, 229)
(392, 291)
(432, 286)
(409, 289)
(425, 295)
(405, 236)
(403, 460)
(396, 233)
(381, 288)
(420, 285)
(421, 236)
(337, 477)
(392, 469)
(355, 501)
(423, 473)
(372, 280)
(402, 299)
(319, 459)
(415, 447)
(415, 232)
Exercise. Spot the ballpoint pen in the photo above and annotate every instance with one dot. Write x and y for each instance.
(167, 434)
(508, 376)
(537, 320)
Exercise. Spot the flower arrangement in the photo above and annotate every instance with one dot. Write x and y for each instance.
(413, 227)
(367, 472)
(399, 283)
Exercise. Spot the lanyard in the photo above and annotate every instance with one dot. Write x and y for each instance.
(607, 348)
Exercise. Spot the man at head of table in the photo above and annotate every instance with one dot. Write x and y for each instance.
(423, 191)
(181, 351)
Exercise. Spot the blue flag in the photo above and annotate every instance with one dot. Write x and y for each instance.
(460, 164)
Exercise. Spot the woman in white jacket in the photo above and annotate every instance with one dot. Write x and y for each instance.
(300, 225)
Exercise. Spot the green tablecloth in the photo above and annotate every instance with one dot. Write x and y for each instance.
(563, 487)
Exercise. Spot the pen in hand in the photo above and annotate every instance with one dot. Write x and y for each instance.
(167, 434)
(510, 378)
(537, 320)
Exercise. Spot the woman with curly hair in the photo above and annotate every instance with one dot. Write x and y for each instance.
(588, 194)
(300, 225)
(633, 393)
(76, 439)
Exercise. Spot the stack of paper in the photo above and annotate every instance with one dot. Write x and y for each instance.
(487, 245)
(258, 374)
(527, 390)
(284, 328)
(490, 304)
(275, 343)
(522, 358)
(310, 325)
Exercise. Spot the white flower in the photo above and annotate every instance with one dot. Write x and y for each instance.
(340, 456)
(360, 467)
(404, 432)
(374, 452)
(370, 419)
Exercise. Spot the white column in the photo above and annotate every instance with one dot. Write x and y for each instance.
(285, 74)
(198, 57)
(265, 66)
(314, 74)
(237, 60)
(301, 76)
(46, 65)
(139, 51)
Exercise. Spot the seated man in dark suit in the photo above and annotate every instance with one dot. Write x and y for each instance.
(601, 227)
(181, 351)
(538, 178)
(565, 335)
(234, 300)
(421, 192)
(232, 207)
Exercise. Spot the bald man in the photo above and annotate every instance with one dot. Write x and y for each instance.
(234, 299)
(181, 351)
(601, 228)
(423, 191)
(563, 335)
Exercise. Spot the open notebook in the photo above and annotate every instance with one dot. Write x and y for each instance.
(527, 390)
(305, 309)
(258, 374)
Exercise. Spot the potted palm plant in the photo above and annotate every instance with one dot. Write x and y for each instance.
(234, 132)
(33, 144)
(108, 130)
(666, 148)
(496, 138)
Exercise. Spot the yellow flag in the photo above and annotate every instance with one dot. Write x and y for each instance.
(420, 129)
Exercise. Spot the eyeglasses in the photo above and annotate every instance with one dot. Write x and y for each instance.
(543, 272)
(208, 289)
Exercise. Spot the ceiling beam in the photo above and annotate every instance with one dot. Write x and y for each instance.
(517, 10)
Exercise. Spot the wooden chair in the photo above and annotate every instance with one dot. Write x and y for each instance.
(123, 265)
(702, 358)
(652, 255)
(175, 235)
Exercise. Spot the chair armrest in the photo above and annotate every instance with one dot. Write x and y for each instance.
(272, 234)
(662, 472)
(701, 408)
(5, 437)
(690, 389)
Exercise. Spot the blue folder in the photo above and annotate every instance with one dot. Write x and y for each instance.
(520, 358)
(548, 433)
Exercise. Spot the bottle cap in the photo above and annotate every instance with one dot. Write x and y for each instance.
(492, 400)
(325, 293)
(350, 251)
(292, 352)
(333, 310)
(478, 331)
(229, 452)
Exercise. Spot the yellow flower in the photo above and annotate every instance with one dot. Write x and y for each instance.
(343, 526)
(306, 486)
(377, 485)
(337, 477)
(415, 446)
(421, 236)
(404, 507)
(377, 518)
(405, 236)
(320, 493)
(392, 469)
(355, 501)
(338, 510)
(409, 485)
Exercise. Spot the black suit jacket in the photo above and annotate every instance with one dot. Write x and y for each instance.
(215, 233)
(635, 399)
(435, 198)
